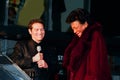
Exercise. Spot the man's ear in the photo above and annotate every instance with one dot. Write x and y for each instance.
(29, 30)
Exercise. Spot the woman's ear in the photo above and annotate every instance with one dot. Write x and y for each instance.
(86, 24)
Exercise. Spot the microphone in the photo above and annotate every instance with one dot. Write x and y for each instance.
(38, 49)
(41, 54)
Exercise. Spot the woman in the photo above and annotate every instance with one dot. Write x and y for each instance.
(85, 58)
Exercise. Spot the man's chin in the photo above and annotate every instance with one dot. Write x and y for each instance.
(39, 39)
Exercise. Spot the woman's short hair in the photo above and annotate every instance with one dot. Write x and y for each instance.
(79, 14)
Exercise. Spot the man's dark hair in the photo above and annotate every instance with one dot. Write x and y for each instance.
(34, 21)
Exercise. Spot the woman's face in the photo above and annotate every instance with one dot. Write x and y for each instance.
(78, 28)
(37, 32)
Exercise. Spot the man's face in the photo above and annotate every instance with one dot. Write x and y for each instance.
(37, 32)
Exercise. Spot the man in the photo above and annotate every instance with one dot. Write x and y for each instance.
(36, 62)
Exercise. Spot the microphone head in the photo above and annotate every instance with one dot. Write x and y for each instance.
(38, 48)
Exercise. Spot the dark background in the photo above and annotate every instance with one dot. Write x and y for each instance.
(107, 12)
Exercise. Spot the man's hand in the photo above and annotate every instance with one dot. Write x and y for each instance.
(42, 64)
(37, 57)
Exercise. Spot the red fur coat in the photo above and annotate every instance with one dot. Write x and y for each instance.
(86, 57)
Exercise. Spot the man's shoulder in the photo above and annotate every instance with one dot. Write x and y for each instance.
(22, 42)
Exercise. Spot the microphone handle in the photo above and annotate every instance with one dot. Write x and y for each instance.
(41, 56)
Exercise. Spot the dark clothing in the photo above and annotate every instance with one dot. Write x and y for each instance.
(86, 57)
(23, 53)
